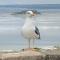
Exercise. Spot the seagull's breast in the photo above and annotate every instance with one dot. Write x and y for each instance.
(28, 31)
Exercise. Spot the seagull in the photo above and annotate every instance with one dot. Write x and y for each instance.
(29, 29)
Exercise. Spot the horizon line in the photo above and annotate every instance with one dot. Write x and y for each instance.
(30, 4)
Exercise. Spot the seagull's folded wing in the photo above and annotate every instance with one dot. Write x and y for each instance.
(37, 32)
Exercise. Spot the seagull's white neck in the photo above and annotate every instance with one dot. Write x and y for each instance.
(30, 21)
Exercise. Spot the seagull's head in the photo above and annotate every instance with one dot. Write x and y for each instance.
(30, 13)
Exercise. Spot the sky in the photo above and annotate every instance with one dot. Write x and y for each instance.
(4, 2)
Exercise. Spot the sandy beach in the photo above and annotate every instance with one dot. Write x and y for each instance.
(29, 55)
(23, 55)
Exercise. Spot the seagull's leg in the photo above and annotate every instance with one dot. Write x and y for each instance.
(29, 43)
(33, 43)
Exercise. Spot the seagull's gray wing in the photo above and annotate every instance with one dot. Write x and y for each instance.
(37, 32)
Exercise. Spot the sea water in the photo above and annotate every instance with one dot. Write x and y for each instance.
(48, 22)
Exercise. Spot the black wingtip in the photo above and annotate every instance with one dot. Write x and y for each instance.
(39, 37)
